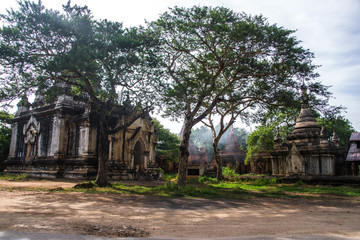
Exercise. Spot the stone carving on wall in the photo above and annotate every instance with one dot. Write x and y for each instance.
(31, 131)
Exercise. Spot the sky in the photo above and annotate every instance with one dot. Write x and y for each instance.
(329, 28)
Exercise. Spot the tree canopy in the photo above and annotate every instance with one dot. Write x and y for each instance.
(168, 143)
(340, 125)
(42, 49)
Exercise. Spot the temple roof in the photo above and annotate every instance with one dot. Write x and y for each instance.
(354, 151)
(355, 137)
(306, 126)
(306, 119)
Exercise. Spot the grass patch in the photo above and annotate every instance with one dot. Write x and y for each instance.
(13, 177)
(206, 187)
(322, 190)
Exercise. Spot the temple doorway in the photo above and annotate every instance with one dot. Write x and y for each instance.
(139, 156)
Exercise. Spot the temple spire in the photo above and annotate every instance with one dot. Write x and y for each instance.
(277, 137)
(304, 96)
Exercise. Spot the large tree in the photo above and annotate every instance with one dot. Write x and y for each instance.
(41, 48)
(210, 52)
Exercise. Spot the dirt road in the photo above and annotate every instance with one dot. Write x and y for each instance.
(99, 214)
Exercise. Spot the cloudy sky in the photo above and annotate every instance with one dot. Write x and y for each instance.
(329, 28)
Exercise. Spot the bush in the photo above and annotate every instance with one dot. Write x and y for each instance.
(169, 177)
(206, 179)
(226, 171)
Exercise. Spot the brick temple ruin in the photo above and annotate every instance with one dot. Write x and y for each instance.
(231, 155)
(60, 140)
(307, 150)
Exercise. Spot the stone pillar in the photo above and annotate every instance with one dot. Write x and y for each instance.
(84, 139)
(13, 140)
(132, 159)
(331, 165)
(328, 164)
(146, 159)
(39, 146)
(275, 167)
(58, 140)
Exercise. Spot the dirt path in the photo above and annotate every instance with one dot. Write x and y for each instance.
(37, 211)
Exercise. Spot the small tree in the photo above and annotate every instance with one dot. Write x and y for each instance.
(340, 125)
(41, 48)
(167, 148)
(210, 52)
(228, 111)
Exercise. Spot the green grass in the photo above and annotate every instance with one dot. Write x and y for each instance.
(209, 188)
(13, 177)
(206, 187)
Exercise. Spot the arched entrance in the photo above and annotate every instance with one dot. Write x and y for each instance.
(139, 156)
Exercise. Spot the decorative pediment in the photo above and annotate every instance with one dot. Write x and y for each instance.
(139, 135)
(31, 130)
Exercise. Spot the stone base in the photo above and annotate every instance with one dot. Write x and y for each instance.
(54, 168)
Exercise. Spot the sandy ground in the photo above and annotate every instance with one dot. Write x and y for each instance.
(104, 214)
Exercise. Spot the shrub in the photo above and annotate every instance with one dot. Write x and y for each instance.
(264, 181)
(206, 179)
(226, 171)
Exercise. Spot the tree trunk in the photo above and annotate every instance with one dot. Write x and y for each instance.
(103, 154)
(218, 161)
(184, 153)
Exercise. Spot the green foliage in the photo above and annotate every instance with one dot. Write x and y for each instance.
(340, 125)
(262, 138)
(5, 136)
(207, 56)
(168, 143)
(169, 177)
(264, 181)
(206, 179)
(299, 183)
(210, 188)
(41, 48)
(226, 171)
